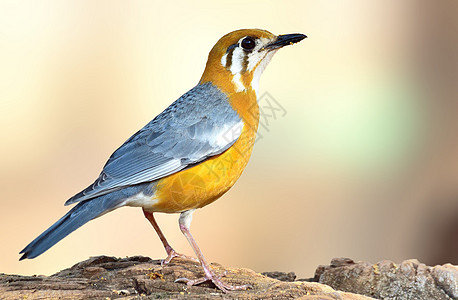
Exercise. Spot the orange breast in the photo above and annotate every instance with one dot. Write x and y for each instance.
(204, 183)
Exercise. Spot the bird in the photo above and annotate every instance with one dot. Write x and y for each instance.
(189, 155)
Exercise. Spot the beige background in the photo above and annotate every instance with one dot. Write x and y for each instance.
(364, 164)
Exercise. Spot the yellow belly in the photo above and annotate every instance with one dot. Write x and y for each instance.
(204, 183)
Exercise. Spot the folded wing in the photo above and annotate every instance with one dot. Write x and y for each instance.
(197, 126)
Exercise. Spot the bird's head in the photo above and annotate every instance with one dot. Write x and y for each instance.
(237, 60)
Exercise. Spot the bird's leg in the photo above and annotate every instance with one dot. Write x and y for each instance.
(171, 253)
(185, 223)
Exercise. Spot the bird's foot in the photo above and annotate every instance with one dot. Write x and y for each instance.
(171, 254)
(224, 287)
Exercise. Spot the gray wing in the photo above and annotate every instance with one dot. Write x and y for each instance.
(198, 125)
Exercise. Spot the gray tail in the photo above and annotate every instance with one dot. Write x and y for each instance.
(79, 215)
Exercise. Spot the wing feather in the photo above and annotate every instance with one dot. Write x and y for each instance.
(197, 126)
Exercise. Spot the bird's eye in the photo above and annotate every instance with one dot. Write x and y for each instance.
(248, 43)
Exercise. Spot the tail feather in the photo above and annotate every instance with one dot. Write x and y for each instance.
(79, 215)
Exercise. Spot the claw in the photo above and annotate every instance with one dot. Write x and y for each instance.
(216, 281)
(191, 282)
(172, 254)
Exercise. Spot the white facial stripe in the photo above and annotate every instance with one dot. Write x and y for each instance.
(237, 80)
(238, 55)
(241, 61)
(237, 60)
(224, 60)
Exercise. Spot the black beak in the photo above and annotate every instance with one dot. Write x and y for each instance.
(286, 39)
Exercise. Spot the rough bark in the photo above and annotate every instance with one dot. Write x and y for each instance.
(140, 277)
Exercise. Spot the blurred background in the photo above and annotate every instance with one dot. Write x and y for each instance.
(361, 163)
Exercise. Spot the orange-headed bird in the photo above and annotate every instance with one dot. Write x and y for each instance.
(190, 154)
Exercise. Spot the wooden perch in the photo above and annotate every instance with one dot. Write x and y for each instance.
(140, 277)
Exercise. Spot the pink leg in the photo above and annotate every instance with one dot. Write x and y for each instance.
(170, 252)
(185, 223)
